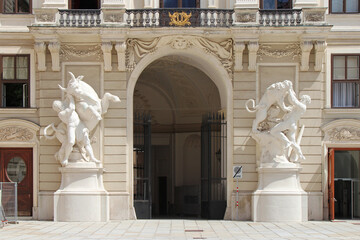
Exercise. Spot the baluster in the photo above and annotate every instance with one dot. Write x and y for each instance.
(206, 19)
(73, 19)
(298, 17)
(224, 19)
(98, 20)
(86, 18)
(286, 21)
(154, 18)
(147, 18)
(231, 20)
(273, 18)
(261, 20)
(267, 19)
(80, 19)
(141, 19)
(292, 19)
(67, 18)
(218, 18)
(212, 19)
(61, 20)
(281, 17)
(92, 20)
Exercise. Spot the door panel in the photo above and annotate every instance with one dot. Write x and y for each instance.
(331, 184)
(17, 166)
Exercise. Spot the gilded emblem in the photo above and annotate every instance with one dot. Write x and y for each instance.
(179, 19)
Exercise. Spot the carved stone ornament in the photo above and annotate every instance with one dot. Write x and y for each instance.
(137, 49)
(45, 17)
(67, 51)
(246, 17)
(314, 17)
(113, 17)
(292, 50)
(15, 134)
(344, 134)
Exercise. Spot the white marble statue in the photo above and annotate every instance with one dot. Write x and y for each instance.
(276, 130)
(80, 113)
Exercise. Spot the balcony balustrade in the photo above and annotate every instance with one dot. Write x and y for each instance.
(186, 17)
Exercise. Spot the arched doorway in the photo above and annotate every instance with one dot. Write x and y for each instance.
(171, 177)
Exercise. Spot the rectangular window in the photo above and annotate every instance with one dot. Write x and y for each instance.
(16, 6)
(275, 4)
(345, 81)
(15, 81)
(180, 3)
(344, 6)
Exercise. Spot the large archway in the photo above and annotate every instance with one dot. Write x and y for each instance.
(210, 68)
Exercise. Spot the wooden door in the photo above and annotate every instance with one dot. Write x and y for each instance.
(331, 184)
(16, 165)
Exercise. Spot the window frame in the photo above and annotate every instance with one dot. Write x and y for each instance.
(276, 3)
(16, 8)
(180, 4)
(345, 80)
(344, 8)
(26, 81)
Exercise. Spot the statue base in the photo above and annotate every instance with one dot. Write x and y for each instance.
(279, 197)
(81, 196)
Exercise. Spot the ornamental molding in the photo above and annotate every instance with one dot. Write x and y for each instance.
(291, 50)
(138, 49)
(68, 51)
(18, 130)
(343, 130)
(15, 134)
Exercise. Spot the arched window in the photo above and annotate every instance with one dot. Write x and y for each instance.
(276, 4)
(84, 4)
(180, 3)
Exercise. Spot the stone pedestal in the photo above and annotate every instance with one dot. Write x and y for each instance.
(279, 196)
(81, 196)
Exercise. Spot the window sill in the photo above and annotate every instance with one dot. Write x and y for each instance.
(18, 110)
(331, 111)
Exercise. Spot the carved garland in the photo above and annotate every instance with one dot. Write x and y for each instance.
(66, 51)
(137, 49)
(15, 134)
(293, 50)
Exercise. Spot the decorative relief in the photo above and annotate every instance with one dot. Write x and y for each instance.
(45, 17)
(314, 17)
(137, 49)
(179, 19)
(67, 51)
(15, 134)
(344, 134)
(246, 17)
(113, 18)
(292, 50)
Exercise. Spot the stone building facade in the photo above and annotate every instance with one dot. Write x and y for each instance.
(174, 65)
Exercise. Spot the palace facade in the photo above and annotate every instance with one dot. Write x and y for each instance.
(183, 70)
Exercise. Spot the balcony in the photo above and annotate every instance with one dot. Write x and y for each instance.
(186, 17)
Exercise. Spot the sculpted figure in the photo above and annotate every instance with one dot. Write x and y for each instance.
(276, 131)
(274, 94)
(79, 113)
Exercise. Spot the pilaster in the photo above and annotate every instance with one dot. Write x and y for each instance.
(253, 48)
(239, 49)
(106, 47)
(121, 48)
(319, 54)
(54, 48)
(306, 47)
(40, 49)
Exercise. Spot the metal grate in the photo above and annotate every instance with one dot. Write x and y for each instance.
(8, 201)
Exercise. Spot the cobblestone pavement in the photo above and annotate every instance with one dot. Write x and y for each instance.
(181, 229)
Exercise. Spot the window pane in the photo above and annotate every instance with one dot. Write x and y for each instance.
(337, 6)
(189, 3)
(352, 6)
(353, 67)
(9, 6)
(8, 67)
(170, 3)
(269, 4)
(339, 67)
(345, 95)
(283, 4)
(22, 67)
(14, 95)
(24, 6)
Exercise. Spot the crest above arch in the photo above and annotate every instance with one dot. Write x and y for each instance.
(18, 130)
(342, 130)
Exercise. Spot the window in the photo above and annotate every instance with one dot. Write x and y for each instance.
(15, 81)
(345, 81)
(16, 6)
(180, 3)
(344, 6)
(275, 4)
(84, 4)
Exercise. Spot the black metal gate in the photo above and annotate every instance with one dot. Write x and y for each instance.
(142, 166)
(213, 166)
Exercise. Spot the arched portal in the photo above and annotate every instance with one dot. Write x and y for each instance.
(177, 87)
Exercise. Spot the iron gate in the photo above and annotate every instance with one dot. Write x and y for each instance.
(142, 166)
(213, 166)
